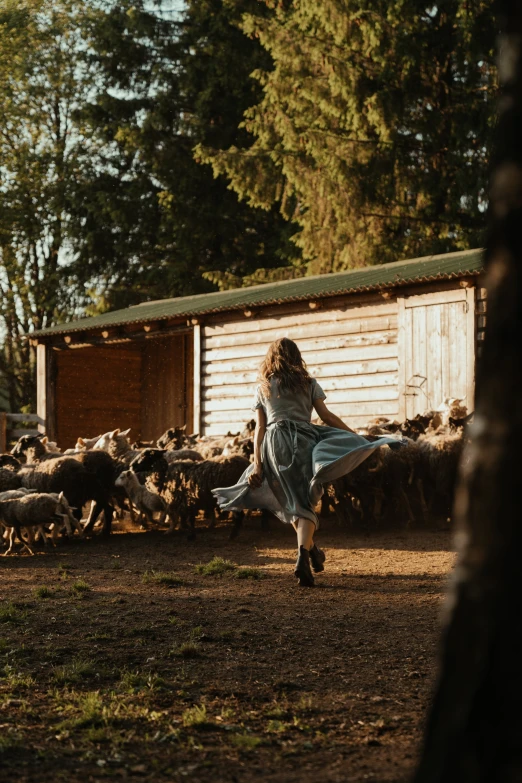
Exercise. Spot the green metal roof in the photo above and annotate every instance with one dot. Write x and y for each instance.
(370, 278)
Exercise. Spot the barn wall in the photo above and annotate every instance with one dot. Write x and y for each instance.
(351, 350)
(97, 389)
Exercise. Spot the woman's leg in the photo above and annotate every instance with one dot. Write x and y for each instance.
(305, 530)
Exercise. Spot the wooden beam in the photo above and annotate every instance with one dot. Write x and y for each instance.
(402, 348)
(197, 378)
(41, 384)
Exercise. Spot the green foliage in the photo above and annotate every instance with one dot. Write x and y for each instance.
(249, 573)
(9, 613)
(374, 129)
(165, 578)
(167, 84)
(215, 567)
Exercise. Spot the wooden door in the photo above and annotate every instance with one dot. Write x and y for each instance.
(436, 350)
(166, 385)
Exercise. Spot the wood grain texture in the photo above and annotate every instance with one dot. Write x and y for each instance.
(97, 389)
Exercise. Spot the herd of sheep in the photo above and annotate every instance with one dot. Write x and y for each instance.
(44, 492)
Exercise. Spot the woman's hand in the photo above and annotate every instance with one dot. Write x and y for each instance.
(256, 477)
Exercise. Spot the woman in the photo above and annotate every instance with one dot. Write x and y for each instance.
(292, 457)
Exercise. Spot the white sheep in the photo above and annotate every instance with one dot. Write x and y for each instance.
(146, 502)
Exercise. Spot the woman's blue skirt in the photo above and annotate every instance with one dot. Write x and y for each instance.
(298, 458)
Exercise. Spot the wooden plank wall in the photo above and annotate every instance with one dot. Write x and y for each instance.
(438, 349)
(166, 394)
(97, 389)
(352, 351)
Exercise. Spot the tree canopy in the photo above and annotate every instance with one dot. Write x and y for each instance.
(374, 130)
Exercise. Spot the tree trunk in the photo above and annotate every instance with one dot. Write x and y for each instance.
(474, 730)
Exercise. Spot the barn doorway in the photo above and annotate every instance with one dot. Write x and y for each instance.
(166, 391)
(436, 350)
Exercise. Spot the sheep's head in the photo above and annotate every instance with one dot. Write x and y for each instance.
(173, 438)
(84, 444)
(150, 461)
(112, 441)
(26, 444)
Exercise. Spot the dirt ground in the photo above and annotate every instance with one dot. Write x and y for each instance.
(118, 660)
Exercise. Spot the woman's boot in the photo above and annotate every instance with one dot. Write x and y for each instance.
(317, 558)
(303, 572)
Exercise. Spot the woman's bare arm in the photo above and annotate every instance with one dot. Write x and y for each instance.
(256, 477)
(330, 418)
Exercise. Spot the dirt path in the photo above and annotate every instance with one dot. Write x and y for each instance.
(118, 660)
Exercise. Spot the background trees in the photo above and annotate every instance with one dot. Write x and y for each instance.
(374, 129)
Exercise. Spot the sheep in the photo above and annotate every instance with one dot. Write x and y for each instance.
(30, 511)
(146, 501)
(186, 485)
(176, 438)
(98, 481)
(174, 455)
(9, 480)
(242, 446)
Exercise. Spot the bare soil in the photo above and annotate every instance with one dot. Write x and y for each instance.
(118, 660)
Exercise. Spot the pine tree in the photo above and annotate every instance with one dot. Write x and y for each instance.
(374, 130)
(168, 83)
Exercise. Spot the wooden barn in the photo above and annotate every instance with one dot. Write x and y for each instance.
(390, 340)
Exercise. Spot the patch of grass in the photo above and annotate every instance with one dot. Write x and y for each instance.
(89, 708)
(195, 716)
(187, 650)
(80, 587)
(64, 571)
(78, 670)
(249, 573)
(276, 726)
(166, 578)
(16, 680)
(9, 743)
(98, 734)
(246, 741)
(226, 636)
(43, 592)
(215, 567)
(9, 613)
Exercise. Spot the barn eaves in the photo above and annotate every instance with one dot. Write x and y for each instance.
(382, 277)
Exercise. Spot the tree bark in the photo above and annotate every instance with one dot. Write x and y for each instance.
(474, 729)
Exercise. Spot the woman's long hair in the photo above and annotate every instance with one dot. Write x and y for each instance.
(283, 361)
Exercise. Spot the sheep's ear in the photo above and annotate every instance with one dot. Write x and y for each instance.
(183, 428)
(60, 496)
(81, 442)
(124, 432)
(114, 433)
(45, 440)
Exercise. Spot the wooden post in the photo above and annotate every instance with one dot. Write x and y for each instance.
(471, 347)
(3, 432)
(402, 356)
(197, 378)
(41, 384)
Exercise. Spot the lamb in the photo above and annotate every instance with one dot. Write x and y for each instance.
(242, 446)
(30, 511)
(147, 502)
